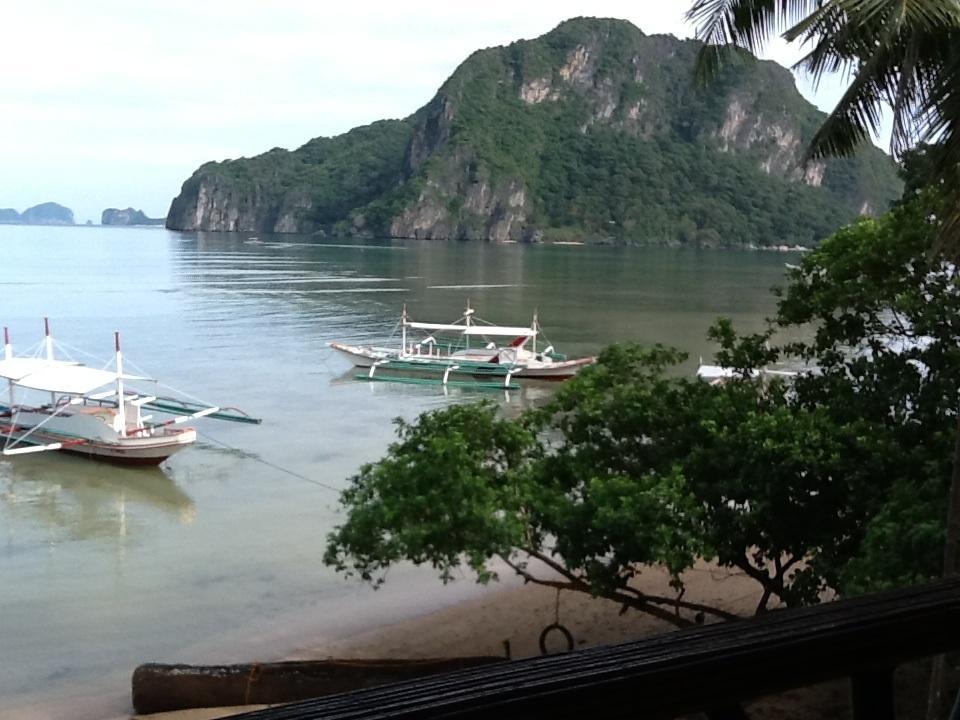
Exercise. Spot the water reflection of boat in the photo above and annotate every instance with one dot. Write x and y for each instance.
(83, 501)
(532, 393)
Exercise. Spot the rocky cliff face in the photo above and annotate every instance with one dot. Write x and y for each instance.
(313, 188)
(216, 202)
(593, 130)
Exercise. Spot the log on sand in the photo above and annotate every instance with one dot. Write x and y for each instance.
(162, 688)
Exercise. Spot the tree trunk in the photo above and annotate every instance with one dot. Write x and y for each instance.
(936, 701)
(951, 551)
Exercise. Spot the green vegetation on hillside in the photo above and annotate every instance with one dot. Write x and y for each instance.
(604, 130)
(656, 191)
(662, 178)
(335, 175)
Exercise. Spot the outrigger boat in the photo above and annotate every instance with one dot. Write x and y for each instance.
(93, 411)
(721, 374)
(467, 347)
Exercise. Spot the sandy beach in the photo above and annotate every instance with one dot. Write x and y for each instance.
(509, 616)
(516, 616)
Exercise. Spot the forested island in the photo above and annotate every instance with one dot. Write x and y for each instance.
(594, 131)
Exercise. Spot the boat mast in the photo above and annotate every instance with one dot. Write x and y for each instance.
(403, 331)
(8, 355)
(466, 316)
(121, 411)
(536, 324)
(48, 341)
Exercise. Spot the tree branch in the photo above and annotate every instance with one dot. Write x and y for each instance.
(580, 586)
(759, 575)
(628, 596)
(573, 582)
(766, 582)
(685, 604)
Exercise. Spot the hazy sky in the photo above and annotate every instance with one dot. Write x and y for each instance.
(114, 103)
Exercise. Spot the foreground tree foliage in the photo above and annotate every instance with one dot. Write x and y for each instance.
(903, 54)
(885, 311)
(833, 481)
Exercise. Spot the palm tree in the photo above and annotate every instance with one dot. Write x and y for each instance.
(904, 54)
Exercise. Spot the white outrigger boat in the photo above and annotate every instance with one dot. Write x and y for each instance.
(721, 374)
(472, 348)
(92, 411)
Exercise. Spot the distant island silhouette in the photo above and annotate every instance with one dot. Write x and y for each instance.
(51, 213)
(113, 216)
(48, 213)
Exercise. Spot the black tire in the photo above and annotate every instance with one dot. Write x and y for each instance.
(550, 628)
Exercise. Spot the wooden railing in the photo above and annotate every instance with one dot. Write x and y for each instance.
(710, 668)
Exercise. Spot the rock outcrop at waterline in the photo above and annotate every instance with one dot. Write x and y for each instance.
(127, 217)
(593, 131)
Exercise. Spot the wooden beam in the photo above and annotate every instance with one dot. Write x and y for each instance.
(731, 712)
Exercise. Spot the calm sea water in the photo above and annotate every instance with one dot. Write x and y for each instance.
(216, 556)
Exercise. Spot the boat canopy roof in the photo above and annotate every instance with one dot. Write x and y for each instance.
(488, 330)
(63, 377)
(19, 367)
(437, 326)
(721, 372)
(499, 330)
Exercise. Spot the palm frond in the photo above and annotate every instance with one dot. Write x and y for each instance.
(891, 49)
(901, 53)
(837, 43)
(857, 115)
(942, 125)
(747, 24)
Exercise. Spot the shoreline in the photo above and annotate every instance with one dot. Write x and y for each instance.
(498, 618)
(417, 617)
(513, 613)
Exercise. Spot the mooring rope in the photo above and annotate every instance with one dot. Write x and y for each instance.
(272, 465)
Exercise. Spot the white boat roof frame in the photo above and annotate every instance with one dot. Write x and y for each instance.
(16, 368)
(488, 330)
(58, 376)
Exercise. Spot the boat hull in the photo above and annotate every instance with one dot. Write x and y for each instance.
(366, 356)
(562, 370)
(79, 437)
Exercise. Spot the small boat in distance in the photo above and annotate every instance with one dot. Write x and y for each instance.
(721, 374)
(468, 346)
(91, 411)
